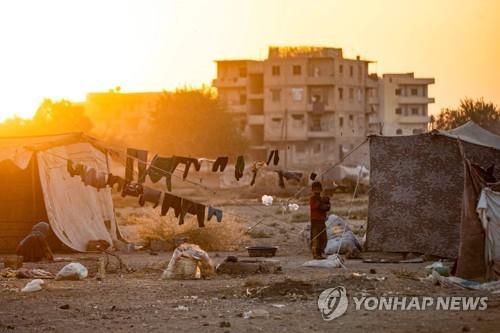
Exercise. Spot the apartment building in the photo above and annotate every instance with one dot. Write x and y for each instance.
(398, 104)
(307, 102)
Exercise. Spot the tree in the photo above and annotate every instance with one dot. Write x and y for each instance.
(50, 118)
(192, 122)
(486, 115)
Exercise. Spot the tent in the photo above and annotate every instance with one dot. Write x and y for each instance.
(37, 187)
(417, 186)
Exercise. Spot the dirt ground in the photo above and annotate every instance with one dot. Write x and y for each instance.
(139, 301)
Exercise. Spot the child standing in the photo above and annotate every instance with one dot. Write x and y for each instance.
(319, 206)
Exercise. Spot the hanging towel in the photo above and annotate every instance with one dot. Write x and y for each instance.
(150, 195)
(214, 212)
(220, 163)
(239, 167)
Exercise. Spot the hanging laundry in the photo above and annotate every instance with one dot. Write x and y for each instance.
(75, 169)
(132, 189)
(187, 161)
(188, 206)
(142, 159)
(171, 201)
(274, 157)
(214, 212)
(239, 167)
(150, 195)
(313, 176)
(255, 168)
(113, 180)
(161, 167)
(220, 163)
(289, 175)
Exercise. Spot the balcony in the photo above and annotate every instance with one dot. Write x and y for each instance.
(320, 107)
(320, 132)
(373, 100)
(328, 80)
(413, 119)
(415, 100)
(227, 82)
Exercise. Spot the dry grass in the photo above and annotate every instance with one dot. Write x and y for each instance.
(225, 236)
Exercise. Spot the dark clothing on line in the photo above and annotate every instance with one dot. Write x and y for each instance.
(142, 160)
(75, 169)
(171, 201)
(150, 195)
(281, 180)
(161, 167)
(132, 189)
(313, 176)
(214, 212)
(221, 163)
(187, 161)
(112, 180)
(239, 167)
(274, 156)
(318, 237)
(188, 206)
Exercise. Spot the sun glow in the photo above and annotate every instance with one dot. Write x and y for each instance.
(65, 49)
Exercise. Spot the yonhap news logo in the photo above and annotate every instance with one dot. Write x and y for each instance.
(333, 303)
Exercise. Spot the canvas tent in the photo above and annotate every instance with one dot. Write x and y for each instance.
(37, 187)
(417, 185)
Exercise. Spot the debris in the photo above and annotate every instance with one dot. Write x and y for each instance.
(279, 306)
(257, 313)
(181, 308)
(332, 261)
(224, 324)
(189, 261)
(438, 267)
(64, 307)
(249, 266)
(14, 262)
(72, 271)
(373, 271)
(405, 274)
(34, 285)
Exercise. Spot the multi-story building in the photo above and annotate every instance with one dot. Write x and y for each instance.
(315, 106)
(398, 104)
(307, 102)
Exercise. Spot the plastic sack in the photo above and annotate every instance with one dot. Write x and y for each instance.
(72, 271)
(33, 285)
(340, 236)
(189, 261)
(332, 261)
(267, 200)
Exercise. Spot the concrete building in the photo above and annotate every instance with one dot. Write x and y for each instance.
(308, 102)
(315, 106)
(398, 104)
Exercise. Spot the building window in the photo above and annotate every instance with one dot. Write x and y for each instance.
(276, 95)
(242, 71)
(341, 93)
(414, 111)
(276, 70)
(341, 69)
(398, 92)
(398, 110)
(351, 117)
(399, 131)
(414, 91)
(359, 95)
(297, 70)
(351, 93)
(243, 99)
(297, 94)
(351, 71)
(341, 122)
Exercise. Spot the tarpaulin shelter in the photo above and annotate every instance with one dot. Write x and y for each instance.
(36, 186)
(417, 186)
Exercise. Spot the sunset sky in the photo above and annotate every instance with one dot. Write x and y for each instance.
(64, 49)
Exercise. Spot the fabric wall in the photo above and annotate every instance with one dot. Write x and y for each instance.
(77, 213)
(416, 192)
(488, 209)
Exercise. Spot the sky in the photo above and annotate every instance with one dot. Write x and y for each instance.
(65, 49)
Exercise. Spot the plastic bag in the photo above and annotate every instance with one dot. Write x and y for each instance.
(72, 271)
(337, 230)
(189, 261)
(33, 285)
(267, 200)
